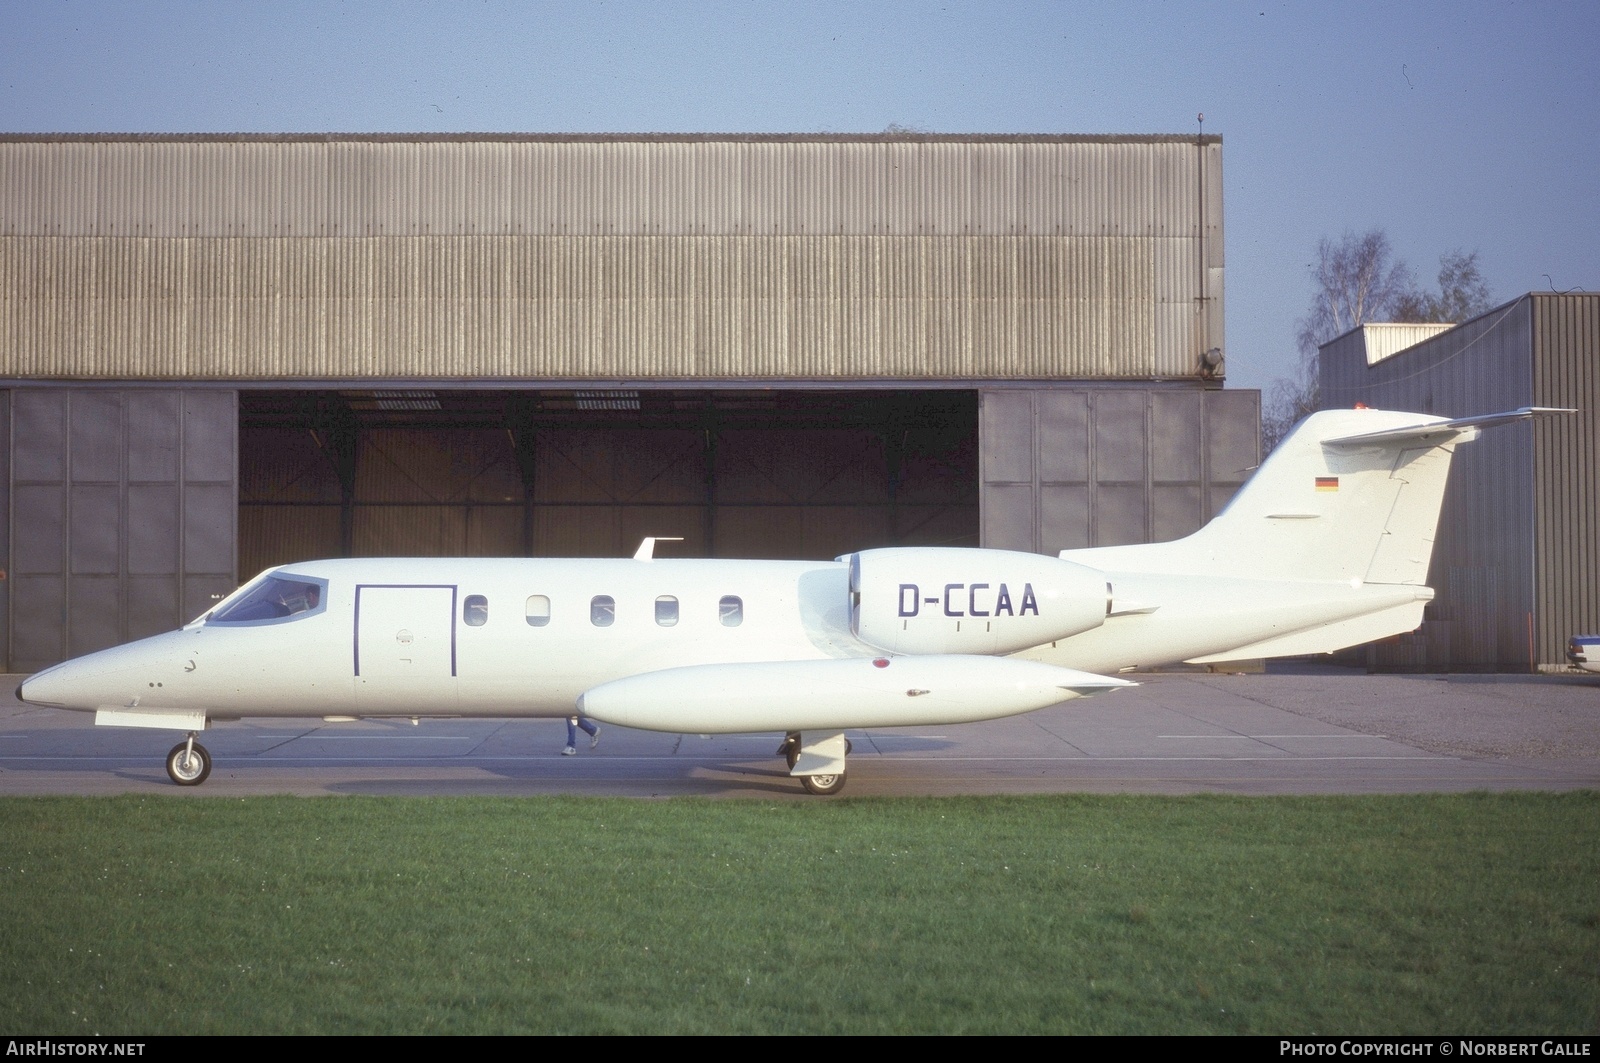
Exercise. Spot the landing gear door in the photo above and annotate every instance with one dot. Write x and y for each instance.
(405, 651)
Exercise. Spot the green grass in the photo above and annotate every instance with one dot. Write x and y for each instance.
(1433, 914)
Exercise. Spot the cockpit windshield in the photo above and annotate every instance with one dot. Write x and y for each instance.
(274, 598)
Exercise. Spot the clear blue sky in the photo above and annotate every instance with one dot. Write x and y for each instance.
(1450, 124)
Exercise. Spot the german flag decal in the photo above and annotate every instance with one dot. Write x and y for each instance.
(1327, 483)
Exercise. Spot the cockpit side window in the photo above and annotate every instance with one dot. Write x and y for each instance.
(283, 597)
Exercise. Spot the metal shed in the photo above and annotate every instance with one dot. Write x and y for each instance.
(1517, 563)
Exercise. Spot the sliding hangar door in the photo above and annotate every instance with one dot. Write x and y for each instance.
(223, 353)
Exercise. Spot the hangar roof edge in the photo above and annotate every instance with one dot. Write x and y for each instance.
(601, 138)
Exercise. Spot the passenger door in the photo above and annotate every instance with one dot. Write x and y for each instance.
(405, 649)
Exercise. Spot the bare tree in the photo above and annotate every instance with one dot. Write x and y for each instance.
(1357, 280)
(1462, 294)
(1291, 400)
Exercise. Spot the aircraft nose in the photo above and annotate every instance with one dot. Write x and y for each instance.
(107, 677)
(45, 688)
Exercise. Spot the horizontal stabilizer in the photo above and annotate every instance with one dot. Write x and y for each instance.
(1433, 433)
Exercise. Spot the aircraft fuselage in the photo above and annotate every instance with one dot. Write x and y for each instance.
(480, 637)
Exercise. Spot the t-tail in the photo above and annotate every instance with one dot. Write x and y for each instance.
(1350, 495)
(1327, 546)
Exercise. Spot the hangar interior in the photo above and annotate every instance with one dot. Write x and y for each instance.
(223, 352)
(588, 473)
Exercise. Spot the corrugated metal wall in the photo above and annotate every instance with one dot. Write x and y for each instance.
(1068, 467)
(1515, 565)
(610, 258)
(1383, 339)
(1566, 373)
(676, 185)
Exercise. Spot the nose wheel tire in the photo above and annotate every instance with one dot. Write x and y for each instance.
(188, 764)
(823, 785)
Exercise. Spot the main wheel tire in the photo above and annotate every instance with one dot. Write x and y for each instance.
(188, 767)
(823, 785)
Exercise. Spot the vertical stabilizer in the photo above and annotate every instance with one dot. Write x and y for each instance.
(1350, 495)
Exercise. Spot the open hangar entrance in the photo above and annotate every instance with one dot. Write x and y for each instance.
(763, 473)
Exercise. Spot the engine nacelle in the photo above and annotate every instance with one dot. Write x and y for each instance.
(933, 600)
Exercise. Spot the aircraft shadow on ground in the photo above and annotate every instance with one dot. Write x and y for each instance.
(690, 783)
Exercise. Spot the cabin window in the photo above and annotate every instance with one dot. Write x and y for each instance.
(730, 610)
(602, 610)
(666, 610)
(475, 610)
(538, 610)
(274, 598)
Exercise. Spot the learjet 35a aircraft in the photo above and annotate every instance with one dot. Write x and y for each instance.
(1327, 546)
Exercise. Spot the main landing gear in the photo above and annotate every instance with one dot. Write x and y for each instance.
(823, 785)
(189, 763)
(817, 760)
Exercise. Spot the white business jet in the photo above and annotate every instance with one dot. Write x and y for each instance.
(1327, 546)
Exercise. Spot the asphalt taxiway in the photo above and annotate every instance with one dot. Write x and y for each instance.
(1289, 731)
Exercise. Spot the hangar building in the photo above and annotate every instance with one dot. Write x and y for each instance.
(1516, 566)
(226, 352)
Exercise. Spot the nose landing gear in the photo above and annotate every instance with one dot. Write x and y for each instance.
(189, 763)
